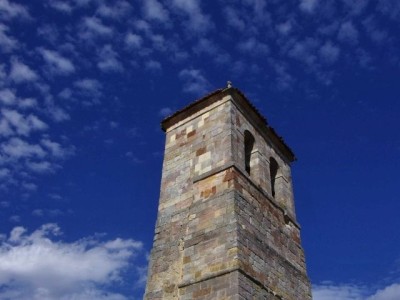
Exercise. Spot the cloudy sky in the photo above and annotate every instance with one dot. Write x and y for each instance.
(85, 83)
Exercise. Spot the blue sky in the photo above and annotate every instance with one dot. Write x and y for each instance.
(84, 85)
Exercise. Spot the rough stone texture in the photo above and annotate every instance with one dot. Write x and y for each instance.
(220, 233)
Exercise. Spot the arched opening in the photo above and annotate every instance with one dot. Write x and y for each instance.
(273, 171)
(248, 149)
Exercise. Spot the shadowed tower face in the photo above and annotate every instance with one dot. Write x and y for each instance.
(226, 225)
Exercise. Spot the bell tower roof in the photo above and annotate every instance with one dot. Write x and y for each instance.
(244, 104)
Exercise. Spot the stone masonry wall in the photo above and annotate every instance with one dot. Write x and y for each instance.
(263, 151)
(269, 244)
(193, 147)
(223, 287)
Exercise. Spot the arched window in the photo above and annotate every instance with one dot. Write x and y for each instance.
(273, 171)
(248, 149)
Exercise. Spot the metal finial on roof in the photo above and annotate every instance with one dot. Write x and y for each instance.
(229, 84)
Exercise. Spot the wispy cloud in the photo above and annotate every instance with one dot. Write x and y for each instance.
(41, 167)
(56, 63)
(92, 27)
(165, 111)
(154, 10)
(10, 10)
(356, 7)
(133, 41)
(153, 65)
(21, 72)
(61, 6)
(348, 33)
(23, 125)
(197, 20)
(329, 53)
(7, 96)
(108, 60)
(17, 148)
(234, 18)
(194, 81)
(117, 10)
(390, 8)
(252, 46)
(7, 42)
(89, 87)
(308, 6)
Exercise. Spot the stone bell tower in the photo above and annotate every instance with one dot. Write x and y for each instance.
(226, 226)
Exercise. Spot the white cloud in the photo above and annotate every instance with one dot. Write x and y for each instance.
(252, 46)
(284, 28)
(390, 8)
(2, 73)
(4, 204)
(159, 42)
(364, 58)
(38, 212)
(134, 159)
(348, 33)
(41, 167)
(55, 196)
(4, 172)
(61, 6)
(133, 41)
(233, 18)
(65, 94)
(82, 3)
(143, 26)
(154, 10)
(89, 87)
(47, 212)
(197, 21)
(83, 269)
(57, 113)
(356, 6)
(27, 103)
(7, 43)
(29, 186)
(21, 72)
(153, 65)
(49, 33)
(14, 219)
(108, 60)
(116, 11)
(205, 45)
(305, 51)
(330, 291)
(377, 34)
(165, 111)
(12, 10)
(308, 6)
(329, 53)
(92, 27)
(391, 292)
(15, 148)
(7, 97)
(56, 63)
(21, 124)
(55, 149)
(5, 128)
(283, 77)
(193, 81)
(335, 292)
